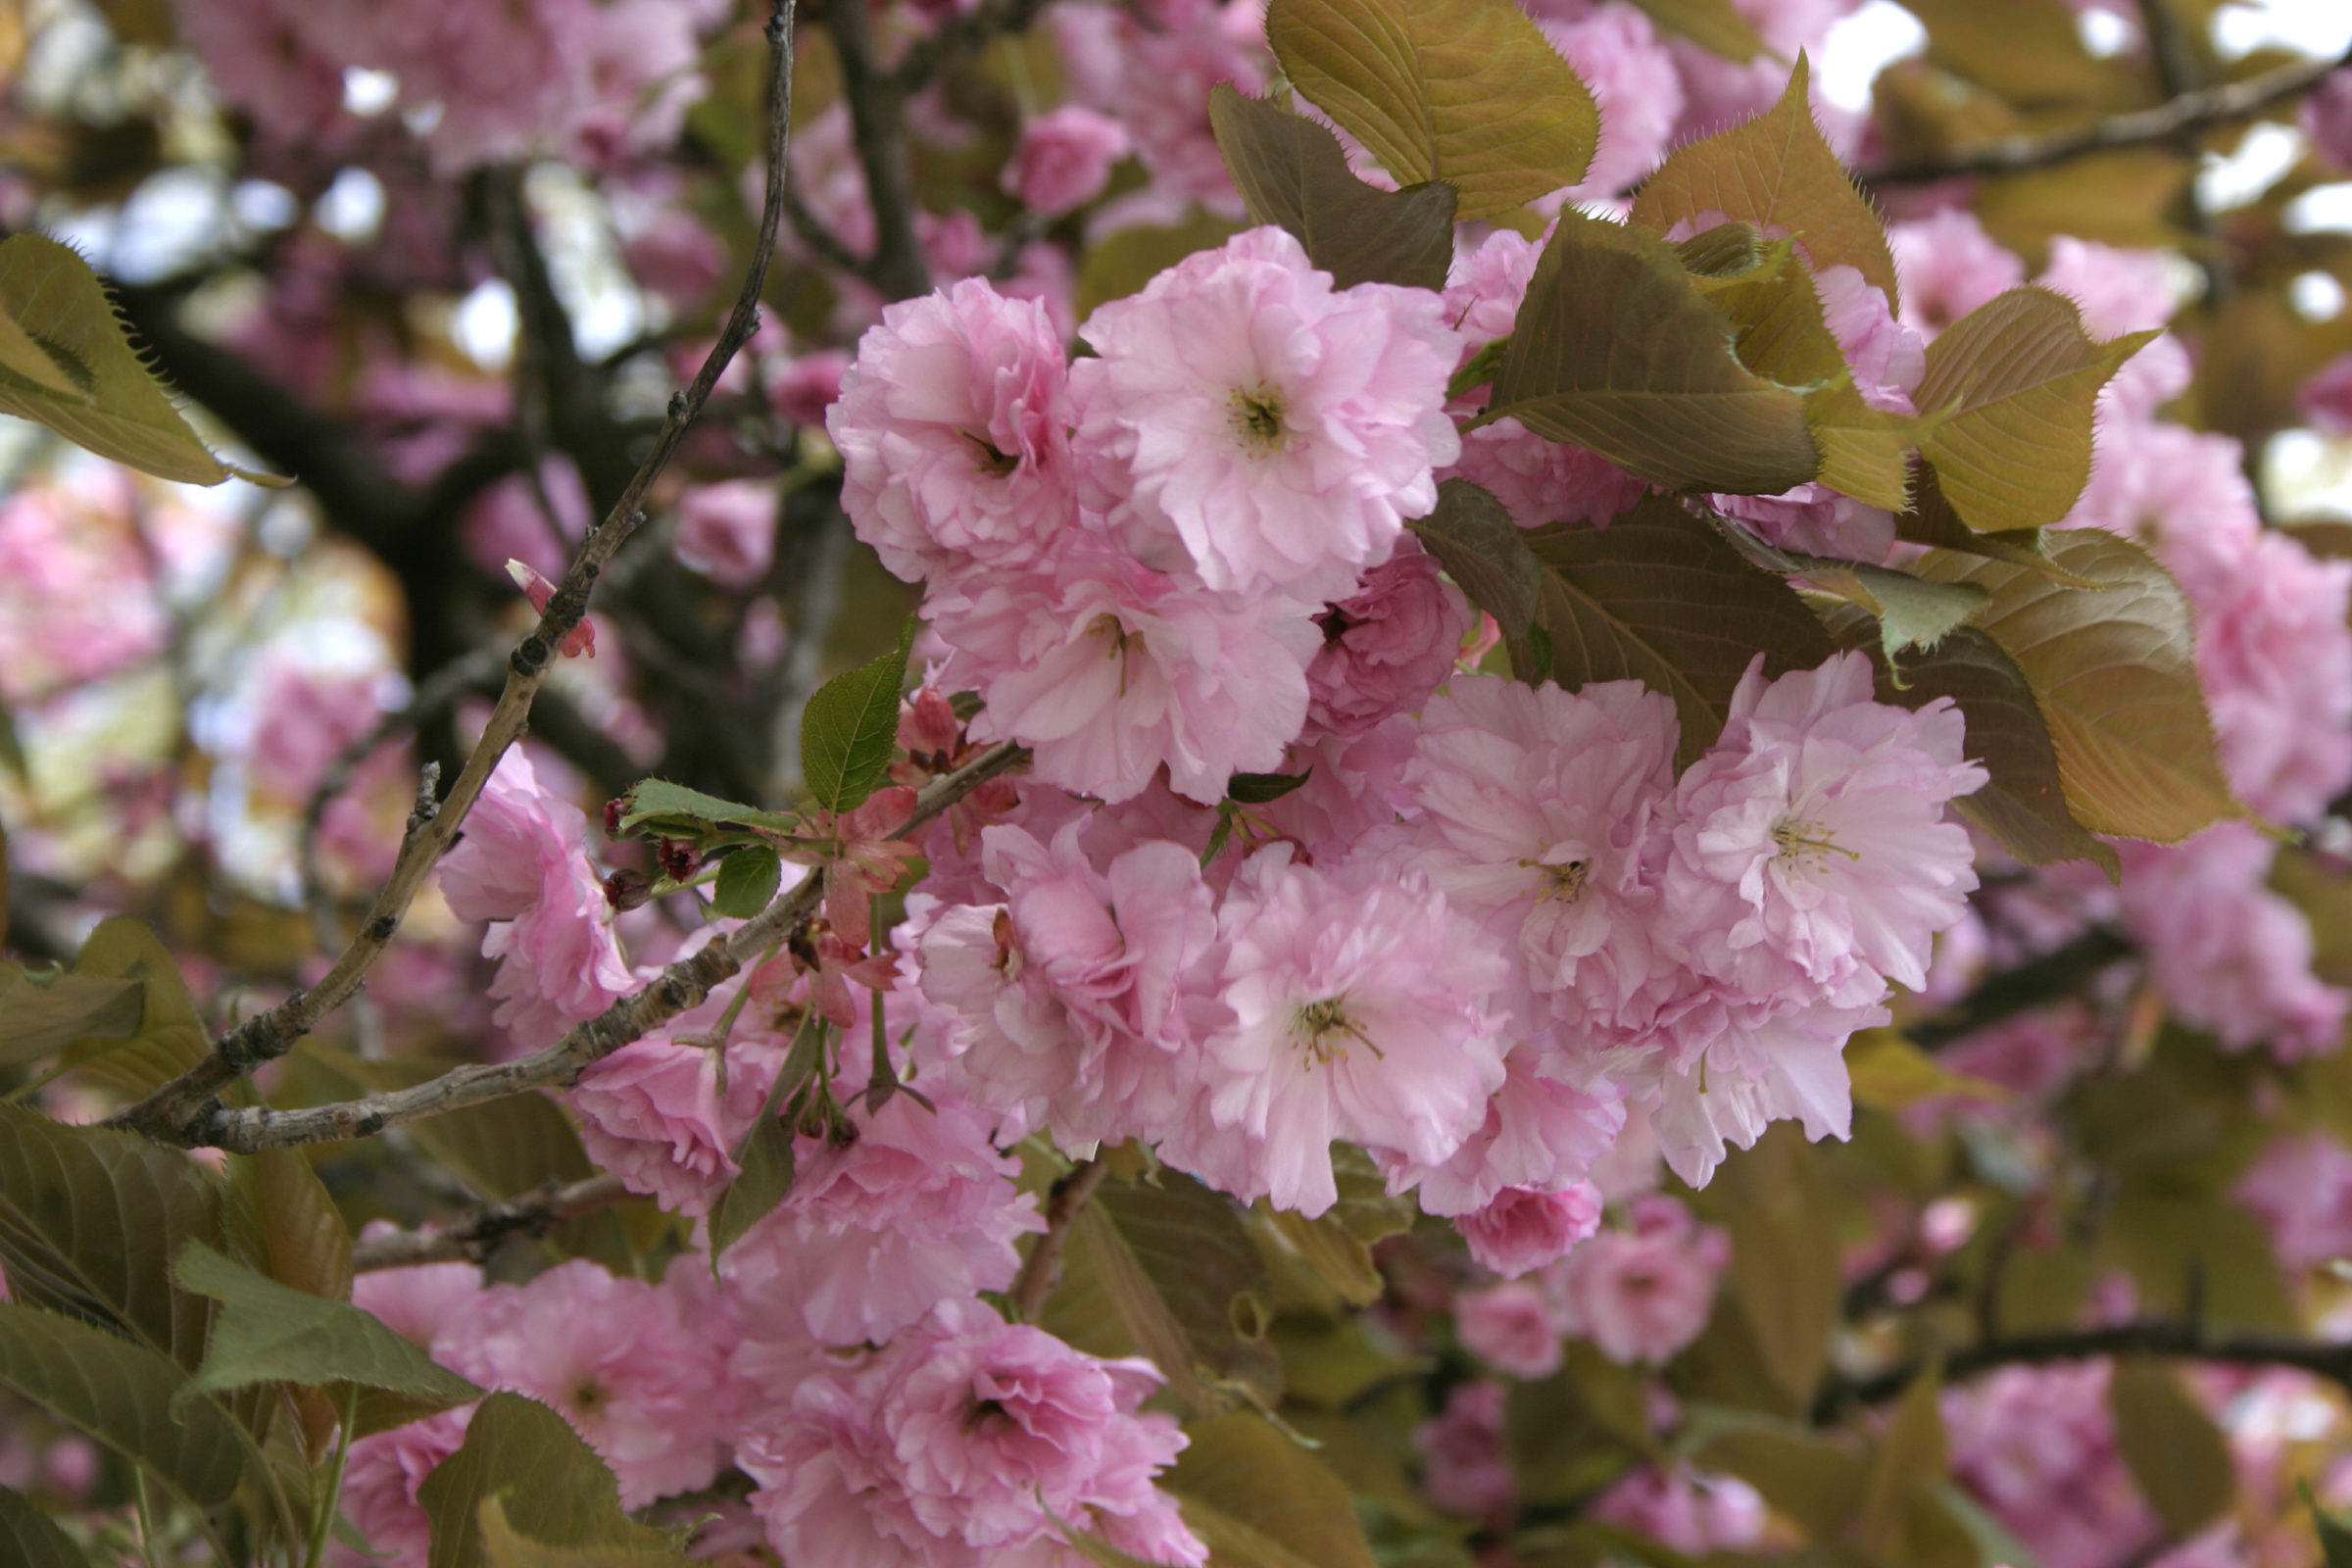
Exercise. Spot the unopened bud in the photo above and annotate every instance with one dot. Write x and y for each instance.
(678, 860)
(628, 890)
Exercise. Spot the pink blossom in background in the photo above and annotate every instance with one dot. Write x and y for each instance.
(2301, 1189)
(1515, 1328)
(1360, 1012)
(727, 531)
(1063, 158)
(1465, 1468)
(1540, 480)
(1948, 265)
(1643, 1294)
(1887, 358)
(1691, 1512)
(2326, 398)
(76, 598)
(2230, 955)
(1388, 646)
(623, 1360)
(1817, 520)
(1521, 1229)
(505, 522)
(2036, 1445)
(1162, 85)
(2328, 117)
(1248, 423)
(803, 387)
(418, 1303)
(951, 424)
(2118, 291)
(918, 1208)
(1616, 52)
(964, 1441)
(1107, 670)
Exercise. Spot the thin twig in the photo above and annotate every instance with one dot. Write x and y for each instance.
(680, 987)
(2186, 113)
(1043, 1266)
(2332, 1361)
(189, 1100)
(878, 125)
(472, 1237)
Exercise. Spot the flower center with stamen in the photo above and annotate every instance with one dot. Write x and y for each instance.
(992, 461)
(1807, 846)
(1567, 880)
(1255, 414)
(588, 1396)
(1323, 1029)
(1110, 627)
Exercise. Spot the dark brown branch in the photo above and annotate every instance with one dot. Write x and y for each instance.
(1041, 1270)
(188, 1102)
(680, 987)
(2332, 1361)
(960, 37)
(2182, 115)
(472, 1237)
(878, 122)
(2061, 972)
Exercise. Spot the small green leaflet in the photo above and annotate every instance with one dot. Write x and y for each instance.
(851, 730)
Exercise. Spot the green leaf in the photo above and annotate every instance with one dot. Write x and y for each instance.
(1891, 1074)
(1782, 334)
(114, 406)
(1571, 1433)
(1865, 452)
(2112, 672)
(1262, 789)
(747, 881)
(1660, 597)
(1785, 1262)
(1257, 1500)
(2013, 382)
(1123, 262)
(1485, 553)
(556, 1490)
(302, 1232)
(1163, 1267)
(850, 731)
(2334, 1533)
(675, 811)
(30, 1540)
(120, 1393)
(40, 1015)
(1910, 611)
(1808, 1477)
(765, 1159)
(273, 1332)
(2177, 1455)
(171, 1037)
(1928, 519)
(504, 1546)
(1291, 171)
(88, 1219)
(1906, 1462)
(1777, 173)
(1466, 91)
(1616, 349)
(1715, 25)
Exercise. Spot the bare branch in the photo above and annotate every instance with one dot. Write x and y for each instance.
(2169, 121)
(1042, 1268)
(472, 1237)
(2332, 1361)
(178, 1106)
(680, 987)
(878, 121)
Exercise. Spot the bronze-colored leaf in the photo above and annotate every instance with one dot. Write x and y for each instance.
(1291, 171)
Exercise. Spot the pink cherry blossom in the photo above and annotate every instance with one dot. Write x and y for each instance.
(2037, 1447)
(2328, 117)
(1949, 266)
(380, 1479)
(1811, 855)
(1887, 358)
(1247, 421)
(1360, 1011)
(1691, 1512)
(1520, 1230)
(1385, 648)
(416, 1303)
(918, 1208)
(619, 1358)
(1107, 671)
(1541, 1134)
(2326, 398)
(962, 1442)
(1643, 1294)
(653, 1114)
(1616, 54)
(1063, 158)
(953, 429)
